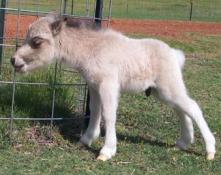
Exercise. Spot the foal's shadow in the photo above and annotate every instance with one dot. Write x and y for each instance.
(139, 139)
(72, 130)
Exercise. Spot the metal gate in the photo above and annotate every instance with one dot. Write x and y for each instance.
(51, 94)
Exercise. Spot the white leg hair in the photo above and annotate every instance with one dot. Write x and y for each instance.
(191, 108)
(93, 130)
(187, 131)
(178, 99)
(109, 93)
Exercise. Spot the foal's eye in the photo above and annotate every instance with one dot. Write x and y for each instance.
(36, 42)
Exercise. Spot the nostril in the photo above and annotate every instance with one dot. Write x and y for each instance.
(13, 61)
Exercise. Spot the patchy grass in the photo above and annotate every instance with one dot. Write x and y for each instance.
(146, 129)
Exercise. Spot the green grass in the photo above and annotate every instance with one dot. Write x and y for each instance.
(203, 10)
(39, 103)
(146, 129)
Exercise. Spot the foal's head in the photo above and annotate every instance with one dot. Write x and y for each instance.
(39, 47)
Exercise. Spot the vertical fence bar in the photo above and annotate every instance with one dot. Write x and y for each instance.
(99, 13)
(14, 74)
(61, 5)
(87, 8)
(62, 12)
(53, 99)
(17, 24)
(98, 20)
(72, 7)
(2, 22)
(110, 13)
(65, 7)
(191, 9)
(12, 106)
(127, 8)
(38, 4)
(87, 113)
(81, 97)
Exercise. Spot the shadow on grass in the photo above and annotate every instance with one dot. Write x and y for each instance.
(139, 139)
(72, 130)
(36, 102)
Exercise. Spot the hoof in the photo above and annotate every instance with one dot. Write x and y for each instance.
(85, 141)
(80, 144)
(102, 157)
(210, 156)
(181, 144)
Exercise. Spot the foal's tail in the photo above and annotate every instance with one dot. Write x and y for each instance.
(180, 56)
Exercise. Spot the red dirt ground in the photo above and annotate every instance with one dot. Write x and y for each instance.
(166, 28)
(145, 27)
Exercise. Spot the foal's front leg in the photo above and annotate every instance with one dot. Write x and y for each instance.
(93, 130)
(109, 93)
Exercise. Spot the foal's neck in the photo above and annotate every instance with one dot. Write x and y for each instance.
(77, 46)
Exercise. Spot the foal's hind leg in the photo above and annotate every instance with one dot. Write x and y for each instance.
(191, 108)
(186, 124)
(187, 131)
(175, 95)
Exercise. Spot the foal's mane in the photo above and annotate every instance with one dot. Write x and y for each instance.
(81, 23)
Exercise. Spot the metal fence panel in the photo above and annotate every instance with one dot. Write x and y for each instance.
(55, 93)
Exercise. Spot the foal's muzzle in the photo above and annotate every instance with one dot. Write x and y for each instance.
(17, 66)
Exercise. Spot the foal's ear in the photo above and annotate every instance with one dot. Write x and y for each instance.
(57, 25)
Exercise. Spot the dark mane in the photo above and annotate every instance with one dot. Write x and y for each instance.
(81, 23)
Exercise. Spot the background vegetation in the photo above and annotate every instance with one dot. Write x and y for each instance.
(202, 10)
